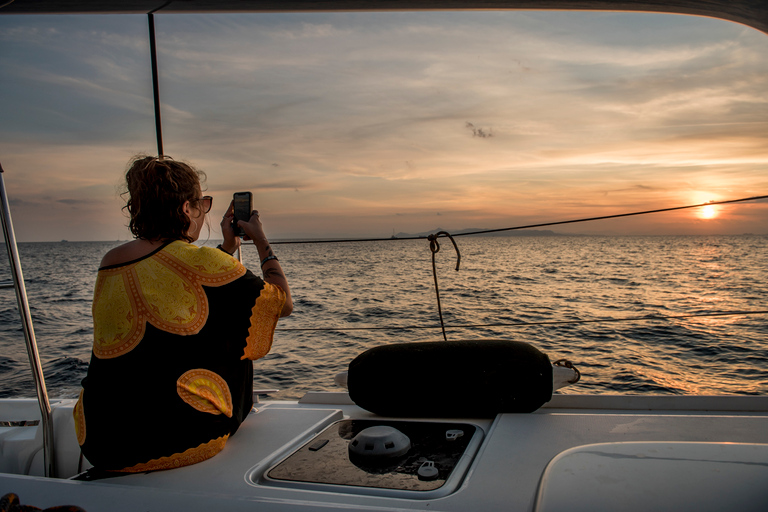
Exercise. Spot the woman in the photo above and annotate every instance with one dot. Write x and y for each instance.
(176, 328)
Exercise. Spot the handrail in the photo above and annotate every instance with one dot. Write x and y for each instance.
(29, 332)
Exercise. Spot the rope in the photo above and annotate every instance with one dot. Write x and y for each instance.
(434, 246)
(531, 324)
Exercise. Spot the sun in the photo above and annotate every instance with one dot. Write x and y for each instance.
(708, 212)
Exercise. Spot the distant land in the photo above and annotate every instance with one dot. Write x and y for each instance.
(514, 232)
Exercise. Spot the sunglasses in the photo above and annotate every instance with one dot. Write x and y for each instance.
(205, 203)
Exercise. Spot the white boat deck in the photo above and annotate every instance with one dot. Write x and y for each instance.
(702, 451)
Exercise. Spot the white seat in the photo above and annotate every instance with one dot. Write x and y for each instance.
(656, 476)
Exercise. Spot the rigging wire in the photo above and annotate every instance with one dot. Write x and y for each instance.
(155, 83)
(528, 226)
(531, 324)
(155, 78)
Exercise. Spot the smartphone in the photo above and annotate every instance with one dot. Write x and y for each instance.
(243, 202)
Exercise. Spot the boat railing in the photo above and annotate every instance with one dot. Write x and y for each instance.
(29, 332)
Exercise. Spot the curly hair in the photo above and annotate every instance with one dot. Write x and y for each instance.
(157, 188)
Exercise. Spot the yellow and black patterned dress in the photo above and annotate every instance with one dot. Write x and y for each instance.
(171, 374)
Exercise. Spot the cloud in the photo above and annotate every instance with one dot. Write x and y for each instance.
(482, 133)
(478, 116)
(283, 185)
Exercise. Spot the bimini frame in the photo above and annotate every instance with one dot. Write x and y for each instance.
(753, 13)
(29, 332)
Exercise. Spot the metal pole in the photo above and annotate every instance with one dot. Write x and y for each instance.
(29, 332)
(155, 83)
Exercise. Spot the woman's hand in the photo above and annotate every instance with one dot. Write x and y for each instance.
(253, 228)
(231, 242)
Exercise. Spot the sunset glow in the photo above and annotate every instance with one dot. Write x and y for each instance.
(708, 212)
(361, 124)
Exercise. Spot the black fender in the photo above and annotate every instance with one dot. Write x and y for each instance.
(456, 379)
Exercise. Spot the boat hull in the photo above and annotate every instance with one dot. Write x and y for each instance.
(515, 466)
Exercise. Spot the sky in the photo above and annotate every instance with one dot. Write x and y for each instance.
(369, 124)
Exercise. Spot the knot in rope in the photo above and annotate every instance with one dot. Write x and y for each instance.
(434, 246)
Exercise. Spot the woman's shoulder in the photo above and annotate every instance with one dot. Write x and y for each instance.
(130, 252)
(207, 263)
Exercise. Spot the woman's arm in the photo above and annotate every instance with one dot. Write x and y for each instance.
(270, 266)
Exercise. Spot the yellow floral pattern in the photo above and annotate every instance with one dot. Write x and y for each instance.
(169, 290)
(206, 391)
(79, 415)
(164, 290)
(186, 458)
(264, 316)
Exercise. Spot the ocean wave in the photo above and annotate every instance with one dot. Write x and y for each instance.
(502, 281)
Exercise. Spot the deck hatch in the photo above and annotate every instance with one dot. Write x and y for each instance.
(434, 465)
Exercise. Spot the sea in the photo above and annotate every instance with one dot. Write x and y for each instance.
(674, 315)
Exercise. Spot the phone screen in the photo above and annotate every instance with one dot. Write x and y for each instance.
(243, 202)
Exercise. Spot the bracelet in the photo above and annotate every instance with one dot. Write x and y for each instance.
(223, 249)
(267, 259)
